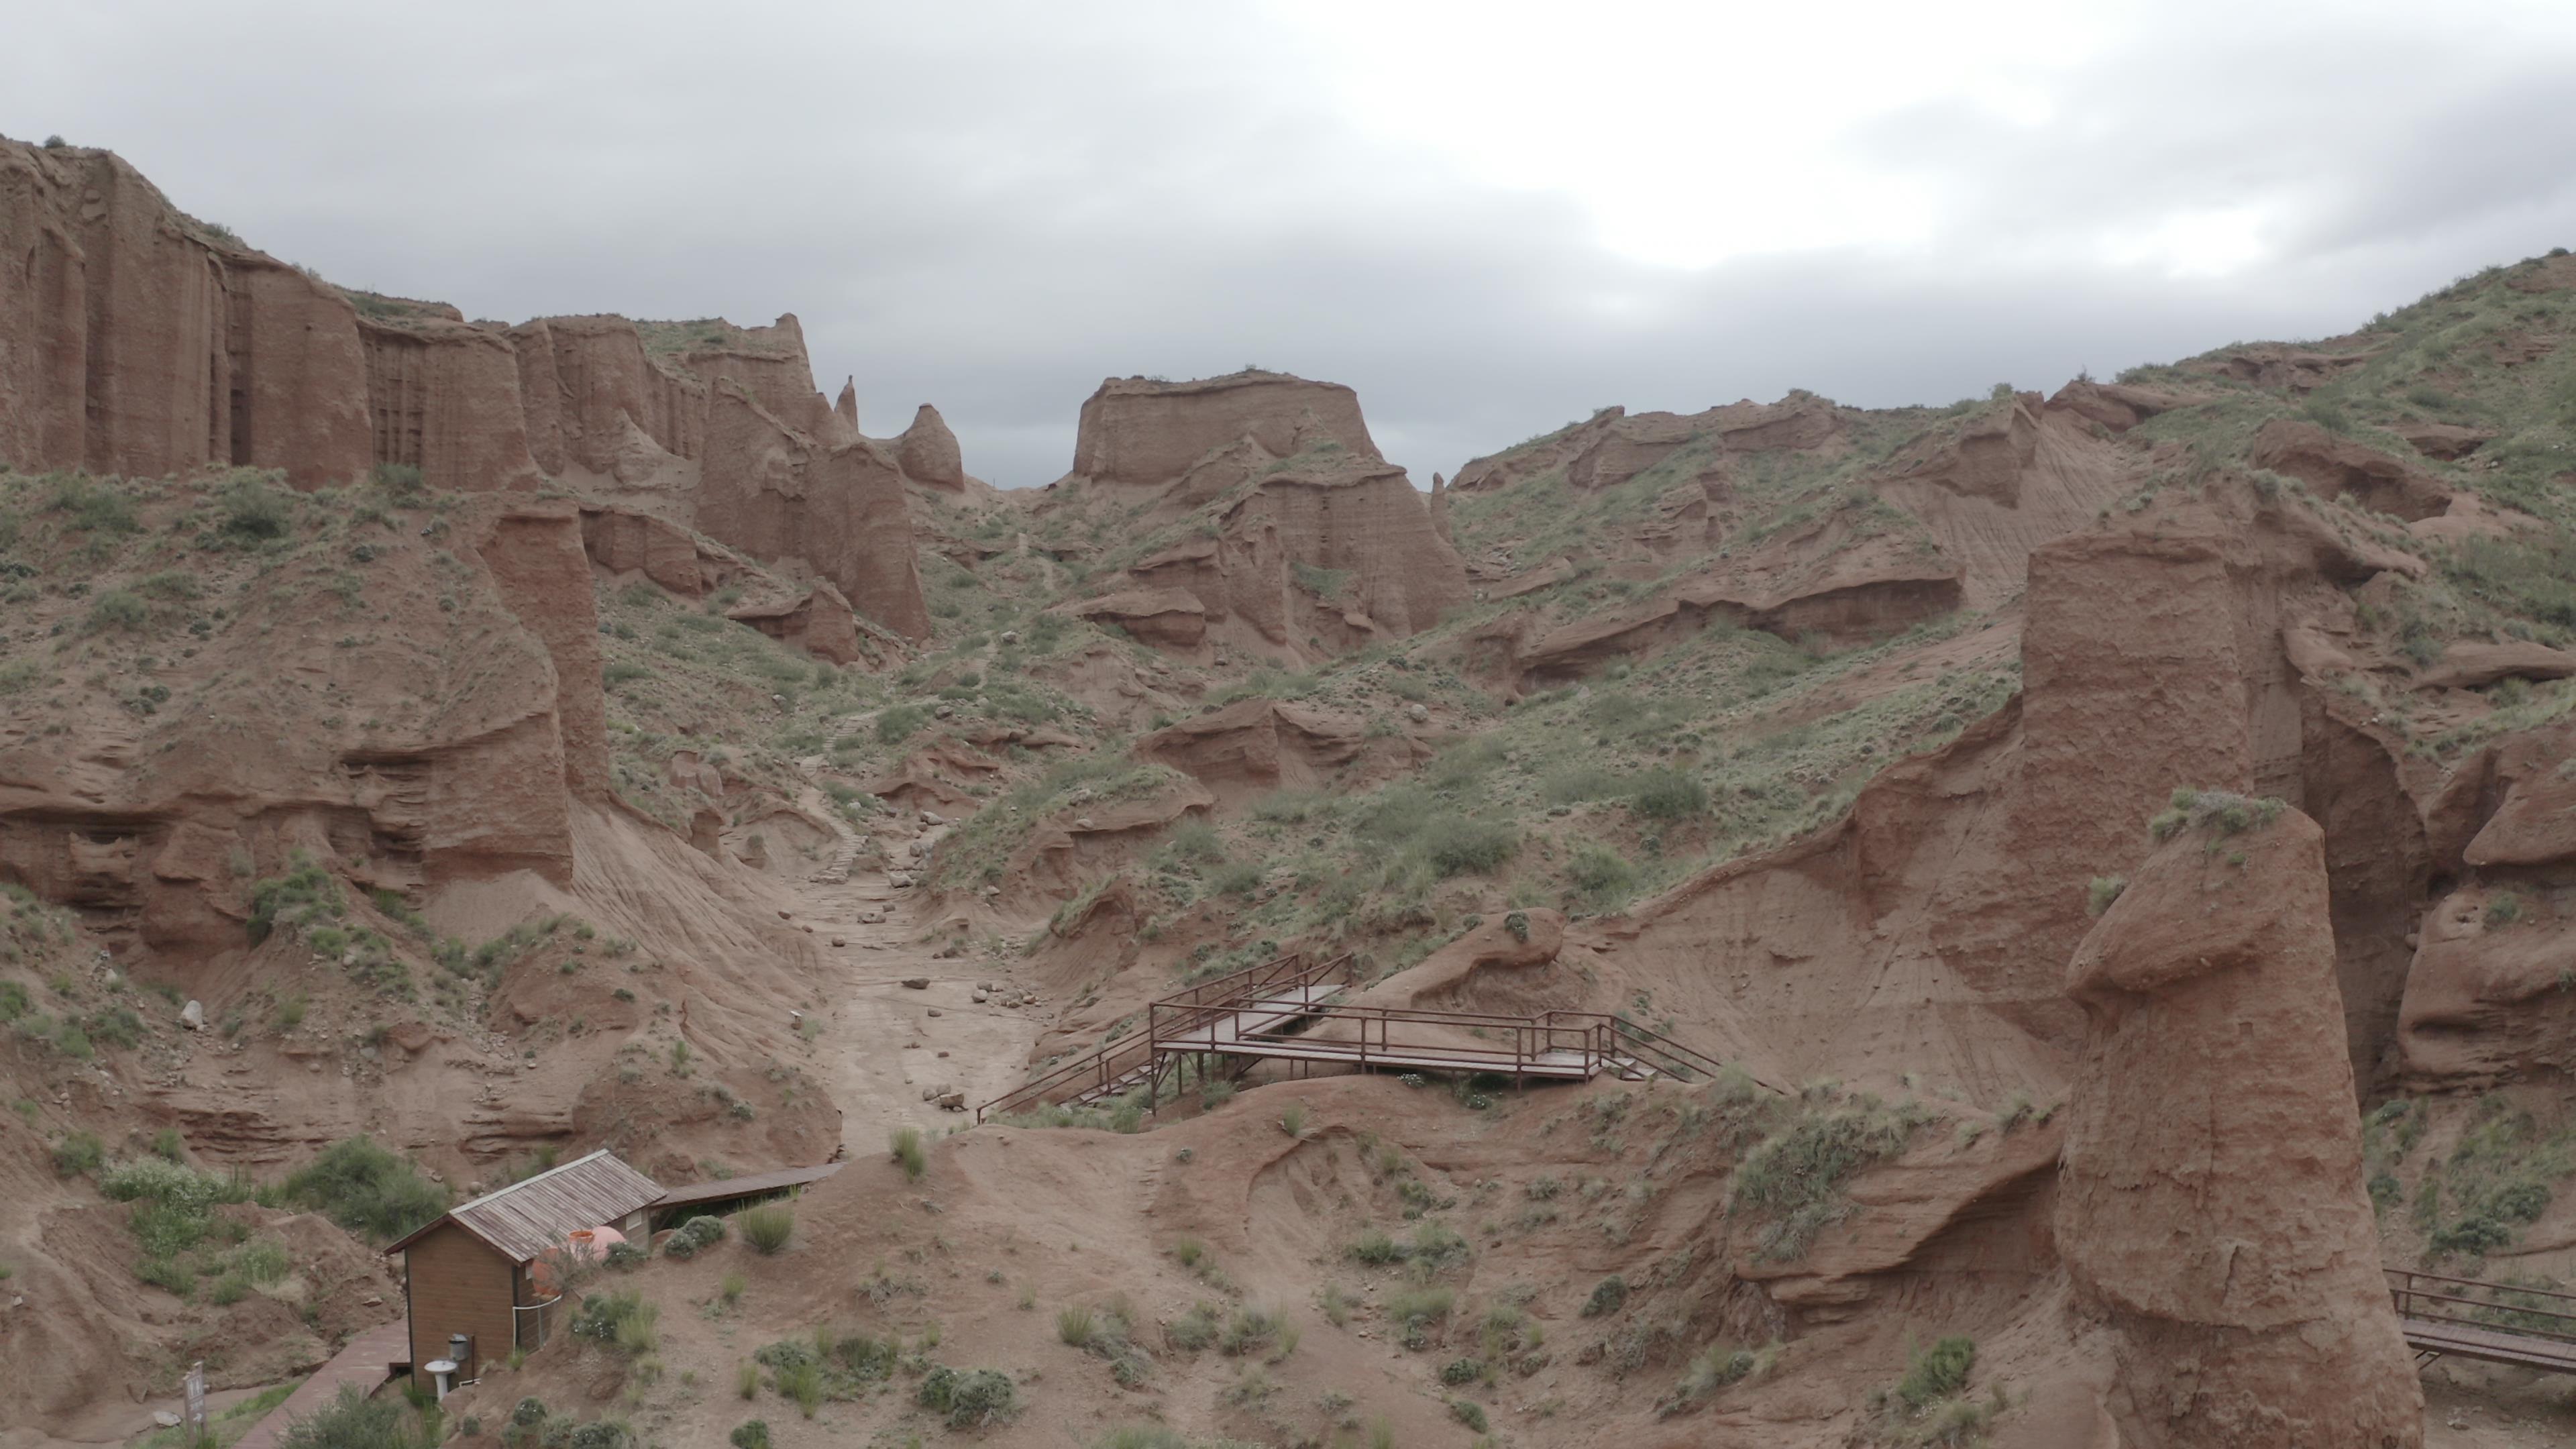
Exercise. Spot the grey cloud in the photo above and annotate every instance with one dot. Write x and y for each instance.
(992, 207)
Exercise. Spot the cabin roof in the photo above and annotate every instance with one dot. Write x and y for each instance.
(526, 1218)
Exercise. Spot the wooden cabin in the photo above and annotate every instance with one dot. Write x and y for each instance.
(469, 1271)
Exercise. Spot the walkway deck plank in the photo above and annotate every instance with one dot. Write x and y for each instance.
(366, 1362)
(2458, 1340)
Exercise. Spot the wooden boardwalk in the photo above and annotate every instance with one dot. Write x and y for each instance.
(367, 1361)
(2493, 1322)
(1289, 1010)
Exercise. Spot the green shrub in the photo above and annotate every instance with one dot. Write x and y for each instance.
(355, 1421)
(620, 1320)
(261, 1260)
(753, 1434)
(307, 893)
(1461, 846)
(1608, 1296)
(1249, 1329)
(1799, 1171)
(367, 1188)
(1601, 875)
(252, 510)
(1469, 1413)
(768, 1226)
(1937, 1372)
(119, 609)
(93, 508)
(971, 1399)
(693, 1235)
(905, 1146)
(1375, 1248)
(1668, 795)
(898, 722)
(2102, 891)
(1415, 1310)
(78, 1153)
(1581, 783)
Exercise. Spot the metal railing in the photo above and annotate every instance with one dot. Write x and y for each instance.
(531, 1333)
(1274, 1010)
(2508, 1308)
(1098, 1072)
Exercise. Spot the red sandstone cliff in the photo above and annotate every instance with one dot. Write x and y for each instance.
(134, 340)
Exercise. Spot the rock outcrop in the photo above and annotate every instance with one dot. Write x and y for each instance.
(1308, 544)
(1136, 432)
(586, 384)
(2210, 1207)
(2339, 468)
(928, 451)
(2116, 406)
(819, 621)
(778, 493)
(1255, 746)
(1615, 445)
(443, 397)
(622, 540)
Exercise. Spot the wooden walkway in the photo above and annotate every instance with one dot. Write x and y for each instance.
(2493, 1322)
(367, 1361)
(1289, 1010)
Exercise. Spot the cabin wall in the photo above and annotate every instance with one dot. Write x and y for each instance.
(458, 1284)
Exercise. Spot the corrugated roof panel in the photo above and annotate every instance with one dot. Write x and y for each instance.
(526, 1218)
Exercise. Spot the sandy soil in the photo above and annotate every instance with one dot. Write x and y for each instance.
(887, 1045)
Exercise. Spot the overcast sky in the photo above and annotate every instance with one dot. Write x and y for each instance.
(1489, 218)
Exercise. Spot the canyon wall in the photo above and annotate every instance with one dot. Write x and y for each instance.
(135, 340)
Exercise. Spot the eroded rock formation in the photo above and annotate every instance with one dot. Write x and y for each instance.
(1308, 543)
(777, 492)
(1137, 432)
(134, 340)
(1614, 445)
(2210, 1207)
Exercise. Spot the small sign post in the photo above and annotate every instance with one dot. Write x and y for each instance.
(197, 1397)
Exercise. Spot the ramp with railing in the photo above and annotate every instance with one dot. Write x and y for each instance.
(2496, 1322)
(1286, 1010)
